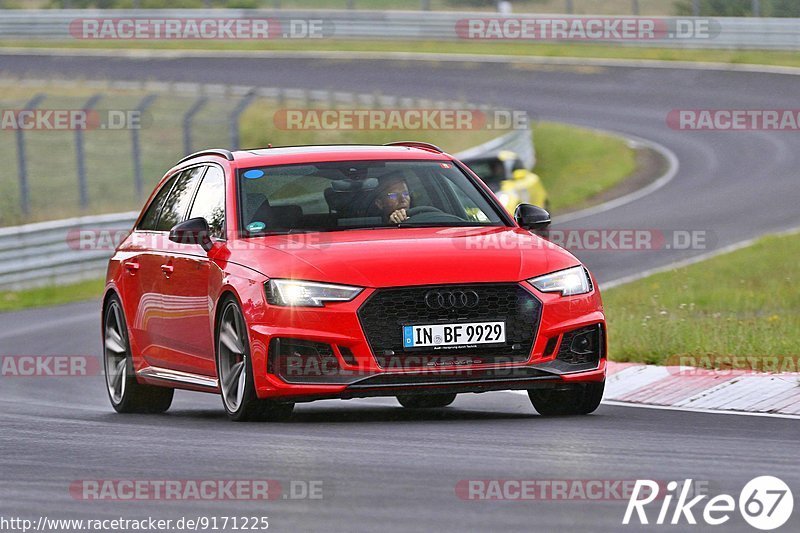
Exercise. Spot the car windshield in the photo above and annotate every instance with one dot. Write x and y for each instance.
(343, 195)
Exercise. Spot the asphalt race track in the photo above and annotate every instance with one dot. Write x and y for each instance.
(384, 468)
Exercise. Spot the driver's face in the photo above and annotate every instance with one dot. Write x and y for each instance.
(395, 197)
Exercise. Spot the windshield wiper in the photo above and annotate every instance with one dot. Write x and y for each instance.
(280, 232)
(441, 225)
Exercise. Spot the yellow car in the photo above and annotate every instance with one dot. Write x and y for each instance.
(507, 177)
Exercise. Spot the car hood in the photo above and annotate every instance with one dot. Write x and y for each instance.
(405, 256)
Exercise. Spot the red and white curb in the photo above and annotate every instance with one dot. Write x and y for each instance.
(689, 388)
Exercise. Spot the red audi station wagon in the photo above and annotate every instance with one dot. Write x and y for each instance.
(292, 274)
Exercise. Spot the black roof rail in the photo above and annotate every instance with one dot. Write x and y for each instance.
(417, 144)
(221, 152)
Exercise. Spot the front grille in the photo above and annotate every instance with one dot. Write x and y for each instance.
(386, 311)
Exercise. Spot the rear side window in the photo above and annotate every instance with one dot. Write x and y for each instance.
(177, 203)
(150, 218)
(210, 201)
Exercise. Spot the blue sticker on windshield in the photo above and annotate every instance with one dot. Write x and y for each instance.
(255, 227)
(253, 174)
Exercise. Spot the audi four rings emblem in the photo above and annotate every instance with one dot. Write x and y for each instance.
(452, 299)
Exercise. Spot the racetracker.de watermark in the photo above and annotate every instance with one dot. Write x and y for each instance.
(575, 240)
(586, 28)
(553, 489)
(195, 489)
(732, 365)
(593, 239)
(734, 119)
(201, 28)
(400, 119)
(72, 119)
(50, 366)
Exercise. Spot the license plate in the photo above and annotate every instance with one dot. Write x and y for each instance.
(453, 335)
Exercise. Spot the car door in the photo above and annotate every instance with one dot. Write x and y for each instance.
(186, 287)
(138, 284)
(169, 347)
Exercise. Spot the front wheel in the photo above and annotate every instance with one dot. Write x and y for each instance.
(428, 401)
(578, 399)
(126, 394)
(235, 371)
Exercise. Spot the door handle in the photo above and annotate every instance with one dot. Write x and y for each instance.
(167, 269)
(131, 266)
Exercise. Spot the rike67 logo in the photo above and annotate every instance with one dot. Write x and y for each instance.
(765, 503)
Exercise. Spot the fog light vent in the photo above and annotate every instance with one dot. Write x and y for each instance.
(581, 346)
(347, 355)
(302, 361)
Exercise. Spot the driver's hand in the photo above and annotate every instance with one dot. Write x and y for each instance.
(398, 216)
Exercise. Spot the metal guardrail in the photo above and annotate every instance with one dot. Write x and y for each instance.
(519, 141)
(49, 253)
(728, 32)
(53, 253)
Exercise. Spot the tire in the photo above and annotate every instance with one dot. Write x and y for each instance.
(579, 399)
(428, 401)
(235, 371)
(125, 393)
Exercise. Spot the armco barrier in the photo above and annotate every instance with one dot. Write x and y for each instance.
(45, 254)
(729, 32)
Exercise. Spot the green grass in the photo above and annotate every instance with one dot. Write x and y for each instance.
(744, 303)
(46, 296)
(576, 164)
(254, 133)
(582, 50)
(52, 164)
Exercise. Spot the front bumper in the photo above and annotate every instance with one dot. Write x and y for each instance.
(349, 368)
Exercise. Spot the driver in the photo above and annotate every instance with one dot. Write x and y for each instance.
(393, 200)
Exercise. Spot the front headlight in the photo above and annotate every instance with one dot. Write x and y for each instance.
(293, 293)
(568, 282)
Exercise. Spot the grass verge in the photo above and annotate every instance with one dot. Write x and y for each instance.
(47, 296)
(576, 164)
(523, 49)
(744, 303)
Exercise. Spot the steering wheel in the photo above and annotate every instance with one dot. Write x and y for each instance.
(428, 213)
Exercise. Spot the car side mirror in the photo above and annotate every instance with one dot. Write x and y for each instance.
(531, 217)
(192, 231)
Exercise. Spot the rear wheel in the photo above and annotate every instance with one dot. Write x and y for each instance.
(577, 399)
(235, 371)
(413, 401)
(125, 393)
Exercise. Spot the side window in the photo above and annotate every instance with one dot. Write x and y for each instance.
(150, 218)
(177, 203)
(210, 201)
